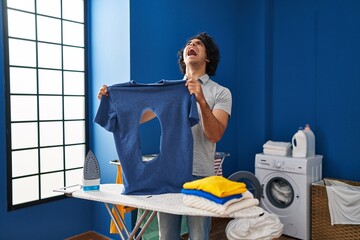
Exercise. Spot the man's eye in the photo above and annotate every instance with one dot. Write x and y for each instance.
(198, 43)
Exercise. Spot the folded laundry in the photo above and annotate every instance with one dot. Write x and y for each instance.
(209, 196)
(267, 226)
(249, 212)
(230, 208)
(277, 145)
(276, 152)
(277, 148)
(217, 185)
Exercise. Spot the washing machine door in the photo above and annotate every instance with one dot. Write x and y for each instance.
(280, 194)
(251, 181)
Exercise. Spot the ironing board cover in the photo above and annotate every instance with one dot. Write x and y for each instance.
(168, 203)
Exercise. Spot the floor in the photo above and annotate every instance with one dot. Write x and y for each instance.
(217, 232)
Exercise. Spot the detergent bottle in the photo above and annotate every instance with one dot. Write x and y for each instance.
(299, 143)
(310, 138)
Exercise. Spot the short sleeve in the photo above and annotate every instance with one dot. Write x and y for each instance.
(193, 114)
(224, 101)
(106, 114)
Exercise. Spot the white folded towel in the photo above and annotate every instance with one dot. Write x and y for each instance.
(276, 152)
(282, 146)
(230, 208)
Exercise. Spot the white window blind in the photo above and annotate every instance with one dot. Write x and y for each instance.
(46, 97)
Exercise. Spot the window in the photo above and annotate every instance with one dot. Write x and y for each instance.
(45, 96)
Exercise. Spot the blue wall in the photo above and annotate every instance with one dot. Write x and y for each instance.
(159, 29)
(109, 63)
(250, 101)
(287, 63)
(316, 72)
(305, 71)
(239, 30)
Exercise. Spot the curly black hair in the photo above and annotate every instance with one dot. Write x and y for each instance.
(212, 53)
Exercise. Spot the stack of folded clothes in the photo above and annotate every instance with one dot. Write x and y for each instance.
(277, 148)
(221, 196)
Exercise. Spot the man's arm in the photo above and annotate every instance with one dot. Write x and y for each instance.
(214, 122)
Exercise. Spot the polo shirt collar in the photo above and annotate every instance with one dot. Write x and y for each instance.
(203, 79)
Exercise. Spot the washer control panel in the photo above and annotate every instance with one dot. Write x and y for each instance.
(281, 163)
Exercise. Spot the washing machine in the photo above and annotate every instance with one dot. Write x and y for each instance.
(286, 190)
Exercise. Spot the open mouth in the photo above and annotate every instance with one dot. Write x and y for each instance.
(192, 52)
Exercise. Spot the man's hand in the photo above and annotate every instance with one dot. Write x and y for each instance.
(214, 122)
(195, 88)
(103, 91)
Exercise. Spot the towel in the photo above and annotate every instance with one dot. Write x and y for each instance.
(217, 186)
(277, 145)
(269, 151)
(343, 201)
(209, 195)
(229, 208)
(267, 226)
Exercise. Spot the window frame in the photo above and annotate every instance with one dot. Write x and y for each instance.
(63, 120)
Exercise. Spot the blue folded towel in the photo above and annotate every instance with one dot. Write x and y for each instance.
(210, 196)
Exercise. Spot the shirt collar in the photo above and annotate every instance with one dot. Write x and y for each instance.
(203, 79)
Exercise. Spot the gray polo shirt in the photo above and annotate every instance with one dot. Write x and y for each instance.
(217, 97)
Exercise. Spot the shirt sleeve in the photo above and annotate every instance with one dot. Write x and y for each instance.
(224, 101)
(106, 114)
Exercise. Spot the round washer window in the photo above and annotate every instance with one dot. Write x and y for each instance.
(280, 192)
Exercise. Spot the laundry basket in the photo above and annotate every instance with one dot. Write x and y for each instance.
(321, 221)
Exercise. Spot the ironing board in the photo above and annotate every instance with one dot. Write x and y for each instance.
(110, 195)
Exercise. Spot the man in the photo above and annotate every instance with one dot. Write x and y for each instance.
(198, 60)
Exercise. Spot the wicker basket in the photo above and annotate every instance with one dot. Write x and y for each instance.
(321, 222)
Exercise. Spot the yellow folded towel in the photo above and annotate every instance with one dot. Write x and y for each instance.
(217, 186)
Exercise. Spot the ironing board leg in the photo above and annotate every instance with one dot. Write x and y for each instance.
(146, 225)
(121, 221)
(115, 222)
(137, 226)
(139, 222)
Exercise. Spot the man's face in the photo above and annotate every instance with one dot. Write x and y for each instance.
(195, 52)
